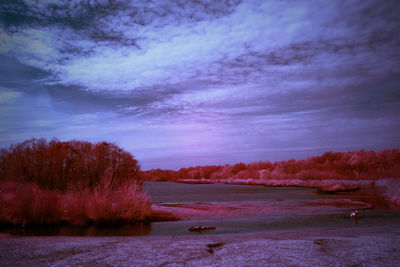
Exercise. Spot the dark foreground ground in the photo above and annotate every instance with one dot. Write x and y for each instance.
(332, 247)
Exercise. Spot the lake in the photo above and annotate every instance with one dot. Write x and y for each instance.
(245, 209)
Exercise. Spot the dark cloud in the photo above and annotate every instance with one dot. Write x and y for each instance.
(98, 19)
(20, 76)
(76, 100)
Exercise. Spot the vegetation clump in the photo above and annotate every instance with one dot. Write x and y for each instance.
(63, 165)
(73, 182)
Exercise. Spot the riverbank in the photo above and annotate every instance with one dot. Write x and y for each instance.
(388, 188)
(338, 247)
(327, 185)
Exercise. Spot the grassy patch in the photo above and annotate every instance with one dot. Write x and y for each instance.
(28, 204)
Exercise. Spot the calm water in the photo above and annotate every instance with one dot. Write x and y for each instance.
(271, 209)
(292, 208)
(196, 193)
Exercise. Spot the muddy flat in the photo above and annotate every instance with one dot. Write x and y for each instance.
(355, 247)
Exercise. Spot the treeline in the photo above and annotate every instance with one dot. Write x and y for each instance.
(62, 165)
(340, 165)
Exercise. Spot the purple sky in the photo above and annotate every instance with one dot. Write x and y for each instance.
(183, 83)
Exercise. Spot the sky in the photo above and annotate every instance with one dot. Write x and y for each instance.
(186, 83)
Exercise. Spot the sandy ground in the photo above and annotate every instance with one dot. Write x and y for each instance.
(356, 247)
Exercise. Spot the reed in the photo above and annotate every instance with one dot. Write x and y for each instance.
(27, 204)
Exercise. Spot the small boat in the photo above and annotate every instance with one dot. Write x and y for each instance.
(201, 228)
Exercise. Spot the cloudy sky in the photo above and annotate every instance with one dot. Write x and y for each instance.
(181, 83)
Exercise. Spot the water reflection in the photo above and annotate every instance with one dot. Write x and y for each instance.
(137, 229)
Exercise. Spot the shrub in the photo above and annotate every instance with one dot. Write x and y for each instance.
(62, 165)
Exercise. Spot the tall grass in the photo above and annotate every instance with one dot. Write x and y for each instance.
(27, 204)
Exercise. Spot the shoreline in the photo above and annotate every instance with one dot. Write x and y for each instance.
(330, 185)
(388, 188)
(339, 247)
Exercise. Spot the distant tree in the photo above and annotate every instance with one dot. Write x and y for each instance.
(183, 174)
(331, 165)
(261, 165)
(238, 167)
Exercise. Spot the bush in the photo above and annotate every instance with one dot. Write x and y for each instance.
(62, 165)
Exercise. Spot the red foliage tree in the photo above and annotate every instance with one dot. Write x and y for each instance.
(59, 165)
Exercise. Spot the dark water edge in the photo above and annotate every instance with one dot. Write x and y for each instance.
(299, 219)
(367, 219)
(137, 229)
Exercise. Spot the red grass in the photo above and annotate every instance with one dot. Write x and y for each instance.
(27, 204)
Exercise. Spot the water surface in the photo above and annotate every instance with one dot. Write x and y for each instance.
(245, 209)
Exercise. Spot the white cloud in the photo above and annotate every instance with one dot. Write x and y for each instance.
(175, 53)
(35, 47)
